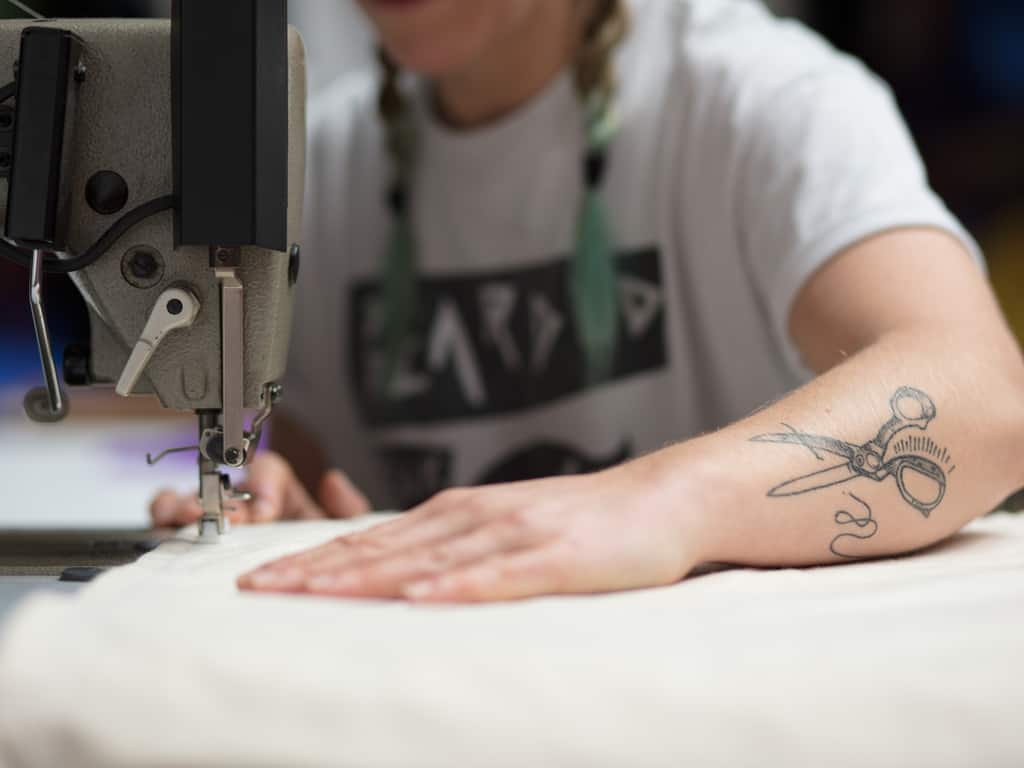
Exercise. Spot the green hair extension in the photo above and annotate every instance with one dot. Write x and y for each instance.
(593, 278)
(398, 294)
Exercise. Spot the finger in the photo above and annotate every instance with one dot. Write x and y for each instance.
(424, 524)
(170, 509)
(270, 480)
(359, 548)
(438, 504)
(162, 507)
(290, 573)
(446, 514)
(340, 498)
(506, 577)
(299, 505)
(267, 481)
(239, 512)
(387, 576)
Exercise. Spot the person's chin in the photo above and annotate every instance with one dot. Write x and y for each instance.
(396, 6)
(432, 61)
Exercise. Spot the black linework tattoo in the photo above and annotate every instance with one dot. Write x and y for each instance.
(920, 480)
(867, 526)
(806, 444)
(924, 445)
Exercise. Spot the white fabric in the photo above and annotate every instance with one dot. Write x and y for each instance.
(750, 153)
(908, 662)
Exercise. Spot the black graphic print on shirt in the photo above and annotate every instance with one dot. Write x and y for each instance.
(550, 460)
(414, 473)
(496, 343)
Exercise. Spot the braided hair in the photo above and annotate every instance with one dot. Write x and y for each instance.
(592, 280)
(594, 68)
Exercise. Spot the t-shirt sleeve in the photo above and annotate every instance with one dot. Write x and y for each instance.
(819, 158)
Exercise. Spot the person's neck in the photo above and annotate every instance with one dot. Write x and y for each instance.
(510, 73)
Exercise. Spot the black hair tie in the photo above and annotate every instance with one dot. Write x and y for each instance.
(397, 199)
(594, 164)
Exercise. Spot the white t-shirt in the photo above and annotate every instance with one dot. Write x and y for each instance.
(750, 152)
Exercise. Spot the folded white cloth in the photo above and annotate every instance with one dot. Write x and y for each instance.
(905, 662)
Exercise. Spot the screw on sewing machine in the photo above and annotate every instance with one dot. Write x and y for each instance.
(142, 266)
(225, 256)
(106, 192)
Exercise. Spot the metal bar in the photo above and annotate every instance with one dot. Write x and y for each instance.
(232, 322)
(211, 499)
(54, 389)
(152, 460)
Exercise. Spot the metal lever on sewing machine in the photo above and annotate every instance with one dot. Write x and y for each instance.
(50, 403)
(176, 308)
(50, 69)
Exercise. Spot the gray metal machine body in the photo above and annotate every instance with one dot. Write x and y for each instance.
(237, 314)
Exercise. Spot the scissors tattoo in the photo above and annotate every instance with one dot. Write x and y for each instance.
(921, 482)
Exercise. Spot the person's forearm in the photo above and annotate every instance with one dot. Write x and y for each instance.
(814, 478)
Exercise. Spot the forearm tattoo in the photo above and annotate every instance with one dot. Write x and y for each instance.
(867, 527)
(919, 466)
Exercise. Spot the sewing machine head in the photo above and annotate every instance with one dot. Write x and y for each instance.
(161, 164)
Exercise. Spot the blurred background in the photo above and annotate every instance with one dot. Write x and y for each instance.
(956, 67)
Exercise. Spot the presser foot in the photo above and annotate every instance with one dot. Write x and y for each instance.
(215, 497)
(211, 500)
(210, 529)
(215, 492)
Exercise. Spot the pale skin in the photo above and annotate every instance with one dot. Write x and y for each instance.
(930, 323)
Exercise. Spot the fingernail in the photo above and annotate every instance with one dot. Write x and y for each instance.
(261, 580)
(419, 590)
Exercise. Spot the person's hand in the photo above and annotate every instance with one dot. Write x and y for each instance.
(277, 494)
(614, 530)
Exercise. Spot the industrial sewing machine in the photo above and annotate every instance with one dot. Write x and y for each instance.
(161, 165)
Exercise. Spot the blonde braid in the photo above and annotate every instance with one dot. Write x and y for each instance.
(594, 68)
(393, 112)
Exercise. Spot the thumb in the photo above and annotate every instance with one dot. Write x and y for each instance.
(340, 498)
